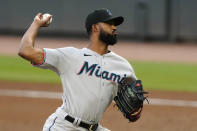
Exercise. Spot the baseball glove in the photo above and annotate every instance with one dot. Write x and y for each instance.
(130, 98)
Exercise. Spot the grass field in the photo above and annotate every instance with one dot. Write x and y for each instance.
(16, 69)
(167, 76)
(155, 75)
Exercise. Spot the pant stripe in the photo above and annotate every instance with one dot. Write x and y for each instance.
(52, 124)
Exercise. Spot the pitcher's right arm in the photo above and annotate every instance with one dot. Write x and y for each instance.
(27, 49)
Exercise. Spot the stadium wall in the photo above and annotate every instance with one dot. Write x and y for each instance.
(144, 19)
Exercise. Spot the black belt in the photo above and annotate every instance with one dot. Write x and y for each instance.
(90, 127)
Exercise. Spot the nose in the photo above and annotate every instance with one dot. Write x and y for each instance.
(114, 30)
(113, 27)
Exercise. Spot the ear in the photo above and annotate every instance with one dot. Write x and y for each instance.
(95, 28)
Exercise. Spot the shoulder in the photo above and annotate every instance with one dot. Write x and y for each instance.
(63, 49)
(62, 52)
(125, 64)
(68, 49)
(119, 58)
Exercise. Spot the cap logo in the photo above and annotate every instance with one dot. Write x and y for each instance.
(109, 12)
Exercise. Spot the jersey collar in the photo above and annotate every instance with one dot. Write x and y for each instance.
(91, 52)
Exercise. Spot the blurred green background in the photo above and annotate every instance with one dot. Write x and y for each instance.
(155, 75)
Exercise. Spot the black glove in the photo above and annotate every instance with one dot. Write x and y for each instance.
(130, 98)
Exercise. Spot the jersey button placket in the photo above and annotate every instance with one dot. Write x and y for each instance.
(101, 85)
(103, 81)
(104, 65)
(99, 61)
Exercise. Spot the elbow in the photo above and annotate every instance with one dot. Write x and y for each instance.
(25, 48)
(20, 53)
(23, 53)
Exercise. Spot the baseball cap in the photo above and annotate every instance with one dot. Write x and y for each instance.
(102, 15)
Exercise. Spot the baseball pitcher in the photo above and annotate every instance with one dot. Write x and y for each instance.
(92, 77)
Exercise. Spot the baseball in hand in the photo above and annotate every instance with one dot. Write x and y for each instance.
(45, 16)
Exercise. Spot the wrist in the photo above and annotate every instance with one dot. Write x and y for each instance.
(35, 25)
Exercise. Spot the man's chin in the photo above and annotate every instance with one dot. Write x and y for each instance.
(108, 39)
(112, 43)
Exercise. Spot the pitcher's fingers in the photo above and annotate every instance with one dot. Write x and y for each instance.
(39, 15)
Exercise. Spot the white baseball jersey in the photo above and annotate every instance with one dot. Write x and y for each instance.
(89, 80)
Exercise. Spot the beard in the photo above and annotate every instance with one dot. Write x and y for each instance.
(107, 38)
